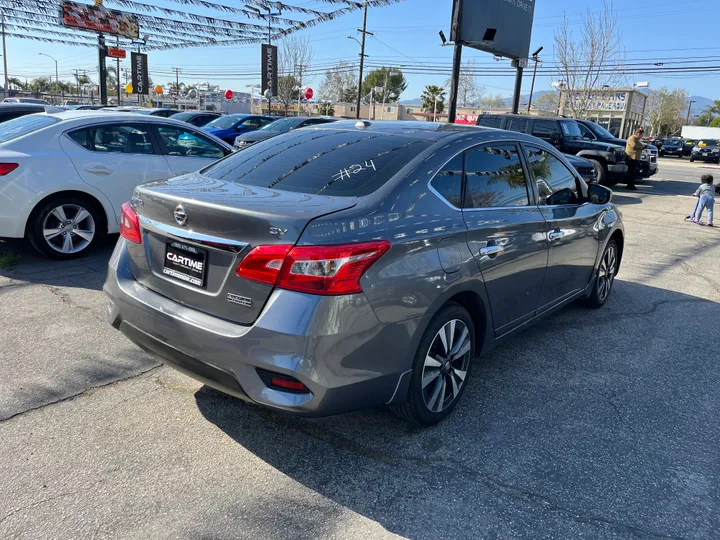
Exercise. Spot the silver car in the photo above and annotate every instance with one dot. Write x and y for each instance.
(357, 264)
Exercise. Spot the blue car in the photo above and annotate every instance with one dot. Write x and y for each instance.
(230, 126)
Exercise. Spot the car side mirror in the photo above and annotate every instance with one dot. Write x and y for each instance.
(598, 194)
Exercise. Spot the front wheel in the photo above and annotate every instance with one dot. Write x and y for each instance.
(601, 174)
(692, 159)
(605, 279)
(441, 367)
(65, 228)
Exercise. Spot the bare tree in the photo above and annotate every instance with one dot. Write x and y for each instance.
(295, 56)
(666, 110)
(495, 101)
(469, 91)
(591, 61)
(547, 102)
(339, 84)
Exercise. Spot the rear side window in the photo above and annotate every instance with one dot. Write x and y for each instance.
(330, 162)
(518, 124)
(122, 138)
(17, 127)
(448, 181)
(556, 184)
(495, 177)
(490, 121)
(545, 129)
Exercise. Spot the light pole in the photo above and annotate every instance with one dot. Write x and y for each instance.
(269, 16)
(532, 86)
(362, 62)
(56, 67)
(435, 102)
(687, 120)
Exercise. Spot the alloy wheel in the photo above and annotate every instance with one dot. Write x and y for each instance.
(606, 275)
(68, 228)
(446, 365)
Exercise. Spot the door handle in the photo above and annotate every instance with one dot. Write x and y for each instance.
(492, 251)
(98, 169)
(556, 235)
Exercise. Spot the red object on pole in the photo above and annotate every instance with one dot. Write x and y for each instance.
(228, 94)
(309, 93)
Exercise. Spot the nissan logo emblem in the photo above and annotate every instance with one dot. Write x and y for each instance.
(180, 215)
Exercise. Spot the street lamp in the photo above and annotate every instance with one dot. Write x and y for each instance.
(687, 120)
(269, 16)
(388, 74)
(56, 68)
(532, 86)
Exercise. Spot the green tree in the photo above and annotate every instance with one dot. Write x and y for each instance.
(391, 86)
(16, 83)
(715, 122)
(41, 84)
(326, 109)
(433, 99)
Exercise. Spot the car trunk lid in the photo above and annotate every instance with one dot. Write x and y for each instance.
(196, 230)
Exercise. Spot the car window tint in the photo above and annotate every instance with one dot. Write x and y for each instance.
(556, 184)
(545, 129)
(585, 132)
(122, 138)
(183, 142)
(448, 181)
(17, 127)
(345, 163)
(265, 121)
(490, 121)
(495, 177)
(251, 122)
(518, 124)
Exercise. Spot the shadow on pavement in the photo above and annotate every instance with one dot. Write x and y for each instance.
(86, 272)
(600, 423)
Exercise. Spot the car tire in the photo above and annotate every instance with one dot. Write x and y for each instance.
(605, 278)
(65, 228)
(438, 379)
(601, 174)
(692, 159)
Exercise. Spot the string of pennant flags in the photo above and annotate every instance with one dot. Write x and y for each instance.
(163, 28)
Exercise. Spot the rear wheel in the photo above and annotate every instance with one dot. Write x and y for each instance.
(65, 228)
(441, 368)
(692, 159)
(605, 279)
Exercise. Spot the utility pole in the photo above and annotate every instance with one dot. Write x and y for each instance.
(364, 33)
(687, 120)
(4, 53)
(388, 74)
(177, 83)
(457, 58)
(300, 86)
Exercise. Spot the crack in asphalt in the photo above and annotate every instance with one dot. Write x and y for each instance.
(690, 270)
(65, 299)
(85, 392)
(36, 504)
(341, 442)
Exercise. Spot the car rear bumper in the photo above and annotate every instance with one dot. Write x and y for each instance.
(700, 157)
(335, 346)
(16, 203)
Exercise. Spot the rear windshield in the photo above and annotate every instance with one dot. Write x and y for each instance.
(12, 129)
(183, 116)
(225, 122)
(708, 142)
(329, 162)
(490, 121)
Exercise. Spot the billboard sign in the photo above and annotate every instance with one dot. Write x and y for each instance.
(500, 27)
(99, 19)
(598, 101)
(268, 67)
(140, 79)
(114, 52)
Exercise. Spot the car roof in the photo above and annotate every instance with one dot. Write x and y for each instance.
(421, 130)
(528, 117)
(79, 117)
(8, 106)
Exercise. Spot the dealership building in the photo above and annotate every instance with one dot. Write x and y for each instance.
(621, 111)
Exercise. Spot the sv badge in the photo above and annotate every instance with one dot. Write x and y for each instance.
(277, 231)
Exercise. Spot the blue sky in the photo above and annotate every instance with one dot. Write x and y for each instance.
(408, 32)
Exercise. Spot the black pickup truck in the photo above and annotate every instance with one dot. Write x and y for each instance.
(565, 134)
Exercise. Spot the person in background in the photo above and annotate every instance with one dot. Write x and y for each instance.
(633, 153)
(706, 193)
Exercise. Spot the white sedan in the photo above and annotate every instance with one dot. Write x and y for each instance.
(65, 176)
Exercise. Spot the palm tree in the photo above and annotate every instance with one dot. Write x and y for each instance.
(175, 88)
(16, 83)
(433, 99)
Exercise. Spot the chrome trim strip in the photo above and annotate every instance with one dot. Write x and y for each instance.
(397, 386)
(189, 234)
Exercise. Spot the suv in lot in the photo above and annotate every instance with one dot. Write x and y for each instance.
(706, 150)
(672, 146)
(356, 264)
(595, 132)
(565, 134)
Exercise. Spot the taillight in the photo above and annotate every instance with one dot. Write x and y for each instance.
(6, 168)
(328, 270)
(130, 224)
(263, 263)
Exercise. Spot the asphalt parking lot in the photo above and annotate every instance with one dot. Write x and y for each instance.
(593, 424)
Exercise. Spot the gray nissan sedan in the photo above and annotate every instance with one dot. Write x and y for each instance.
(357, 264)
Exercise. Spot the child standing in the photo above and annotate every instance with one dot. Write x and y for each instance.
(706, 193)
